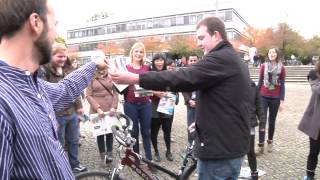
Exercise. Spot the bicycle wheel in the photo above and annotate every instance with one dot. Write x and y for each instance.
(93, 175)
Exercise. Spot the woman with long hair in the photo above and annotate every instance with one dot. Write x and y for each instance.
(272, 90)
(138, 108)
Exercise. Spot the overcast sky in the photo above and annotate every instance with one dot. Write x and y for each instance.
(302, 16)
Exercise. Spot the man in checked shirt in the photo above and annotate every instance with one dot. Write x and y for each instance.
(29, 145)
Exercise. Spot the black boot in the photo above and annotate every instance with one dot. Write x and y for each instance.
(157, 157)
(169, 156)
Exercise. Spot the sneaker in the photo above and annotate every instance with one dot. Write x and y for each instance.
(169, 156)
(270, 146)
(78, 169)
(157, 157)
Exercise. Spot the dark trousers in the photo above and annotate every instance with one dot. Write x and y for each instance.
(166, 124)
(271, 105)
(252, 155)
(104, 141)
(313, 156)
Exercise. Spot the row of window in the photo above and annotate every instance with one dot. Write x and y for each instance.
(232, 35)
(152, 23)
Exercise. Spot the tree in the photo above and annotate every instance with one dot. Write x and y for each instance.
(183, 45)
(153, 44)
(60, 39)
(126, 45)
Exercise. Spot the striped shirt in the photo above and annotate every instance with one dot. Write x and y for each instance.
(29, 145)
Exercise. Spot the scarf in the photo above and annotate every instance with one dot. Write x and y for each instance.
(271, 74)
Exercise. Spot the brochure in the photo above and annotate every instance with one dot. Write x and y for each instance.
(101, 126)
(246, 173)
(166, 103)
(140, 92)
(119, 64)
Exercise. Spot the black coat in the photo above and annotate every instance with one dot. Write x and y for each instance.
(256, 108)
(222, 111)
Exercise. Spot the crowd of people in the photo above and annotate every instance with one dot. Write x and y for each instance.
(41, 100)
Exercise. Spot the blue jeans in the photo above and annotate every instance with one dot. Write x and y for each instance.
(140, 113)
(68, 131)
(223, 169)
(190, 120)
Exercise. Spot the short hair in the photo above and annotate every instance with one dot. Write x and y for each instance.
(14, 14)
(135, 46)
(213, 24)
(58, 47)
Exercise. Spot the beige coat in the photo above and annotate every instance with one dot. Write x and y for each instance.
(99, 97)
(310, 122)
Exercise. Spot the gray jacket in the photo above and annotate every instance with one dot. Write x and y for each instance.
(310, 122)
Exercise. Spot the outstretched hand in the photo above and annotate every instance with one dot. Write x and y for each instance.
(122, 77)
(100, 61)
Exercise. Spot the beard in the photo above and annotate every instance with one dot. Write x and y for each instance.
(43, 47)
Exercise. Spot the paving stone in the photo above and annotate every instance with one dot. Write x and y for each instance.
(286, 162)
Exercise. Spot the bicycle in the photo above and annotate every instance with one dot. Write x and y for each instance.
(132, 159)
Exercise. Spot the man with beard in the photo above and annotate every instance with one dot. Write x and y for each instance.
(30, 148)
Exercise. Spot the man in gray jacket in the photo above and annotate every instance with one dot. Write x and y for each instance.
(222, 111)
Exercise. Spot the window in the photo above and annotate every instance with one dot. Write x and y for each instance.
(199, 17)
(100, 31)
(150, 24)
(108, 29)
(173, 21)
(156, 23)
(186, 20)
(180, 20)
(228, 16)
(193, 19)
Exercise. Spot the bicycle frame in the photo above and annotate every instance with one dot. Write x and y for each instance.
(131, 158)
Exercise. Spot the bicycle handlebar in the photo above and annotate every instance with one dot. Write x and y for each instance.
(124, 136)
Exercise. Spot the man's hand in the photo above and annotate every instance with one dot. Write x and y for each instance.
(120, 77)
(100, 61)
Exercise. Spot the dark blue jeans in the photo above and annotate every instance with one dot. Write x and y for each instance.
(271, 105)
(190, 120)
(140, 113)
(223, 169)
(68, 131)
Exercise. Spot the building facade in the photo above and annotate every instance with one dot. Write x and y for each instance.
(86, 37)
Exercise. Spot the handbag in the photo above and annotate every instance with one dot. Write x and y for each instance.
(108, 90)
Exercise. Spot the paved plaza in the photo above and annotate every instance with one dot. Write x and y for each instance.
(286, 162)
